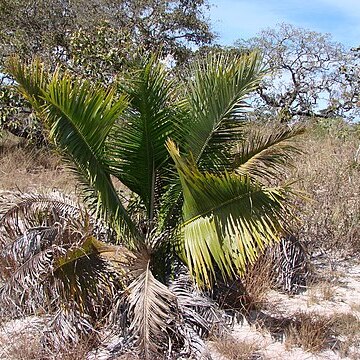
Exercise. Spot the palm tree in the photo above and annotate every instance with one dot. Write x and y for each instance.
(193, 196)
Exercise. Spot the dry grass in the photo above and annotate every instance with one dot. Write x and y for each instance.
(320, 291)
(21, 347)
(311, 331)
(235, 349)
(25, 345)
(330, 174)
(315, 332)
(26, 168)
(355, 307)
(347, 326)
(258, 282)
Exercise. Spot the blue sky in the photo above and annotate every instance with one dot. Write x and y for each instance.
(242, 19)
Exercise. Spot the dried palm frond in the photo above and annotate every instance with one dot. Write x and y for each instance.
(290, 264)
(162, 322)
(67, 326)
(51, 261)
(24, 289)
(153, 312)
(197, 309)
(27, 211)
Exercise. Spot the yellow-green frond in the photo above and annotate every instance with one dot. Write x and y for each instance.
(228, 219)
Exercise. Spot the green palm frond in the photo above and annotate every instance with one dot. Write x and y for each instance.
(32, 79)
(80, 117)
(210, 118)
(215, 104)
(266, 155)
(153, 313)
(138, 145)
(228, 220)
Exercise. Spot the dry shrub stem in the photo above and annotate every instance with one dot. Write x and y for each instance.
(258, 281)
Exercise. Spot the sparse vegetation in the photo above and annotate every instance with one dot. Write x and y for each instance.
(355, 307)
(26, 168)
(258, 281)
(234, 349)
(347, 326)
(315, 332)
(22, 344)
(329, 174)
(320, 291)
(311, 331)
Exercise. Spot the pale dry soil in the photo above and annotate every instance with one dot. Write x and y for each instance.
(336, 292)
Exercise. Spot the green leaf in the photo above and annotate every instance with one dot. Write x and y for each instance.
(32, 79)
(80, 117)
(215, 103)
(138, 145)
(228, 220)
(266, 155)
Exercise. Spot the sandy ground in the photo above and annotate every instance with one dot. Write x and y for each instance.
(337, 292)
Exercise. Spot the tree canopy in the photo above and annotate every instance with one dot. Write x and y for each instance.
(94, 39)
(310, 74)
(46, 27)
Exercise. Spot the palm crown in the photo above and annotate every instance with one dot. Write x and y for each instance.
(196, 189)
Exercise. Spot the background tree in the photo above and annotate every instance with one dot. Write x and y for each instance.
(46, 27)
(94, 39)
(310, 74)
